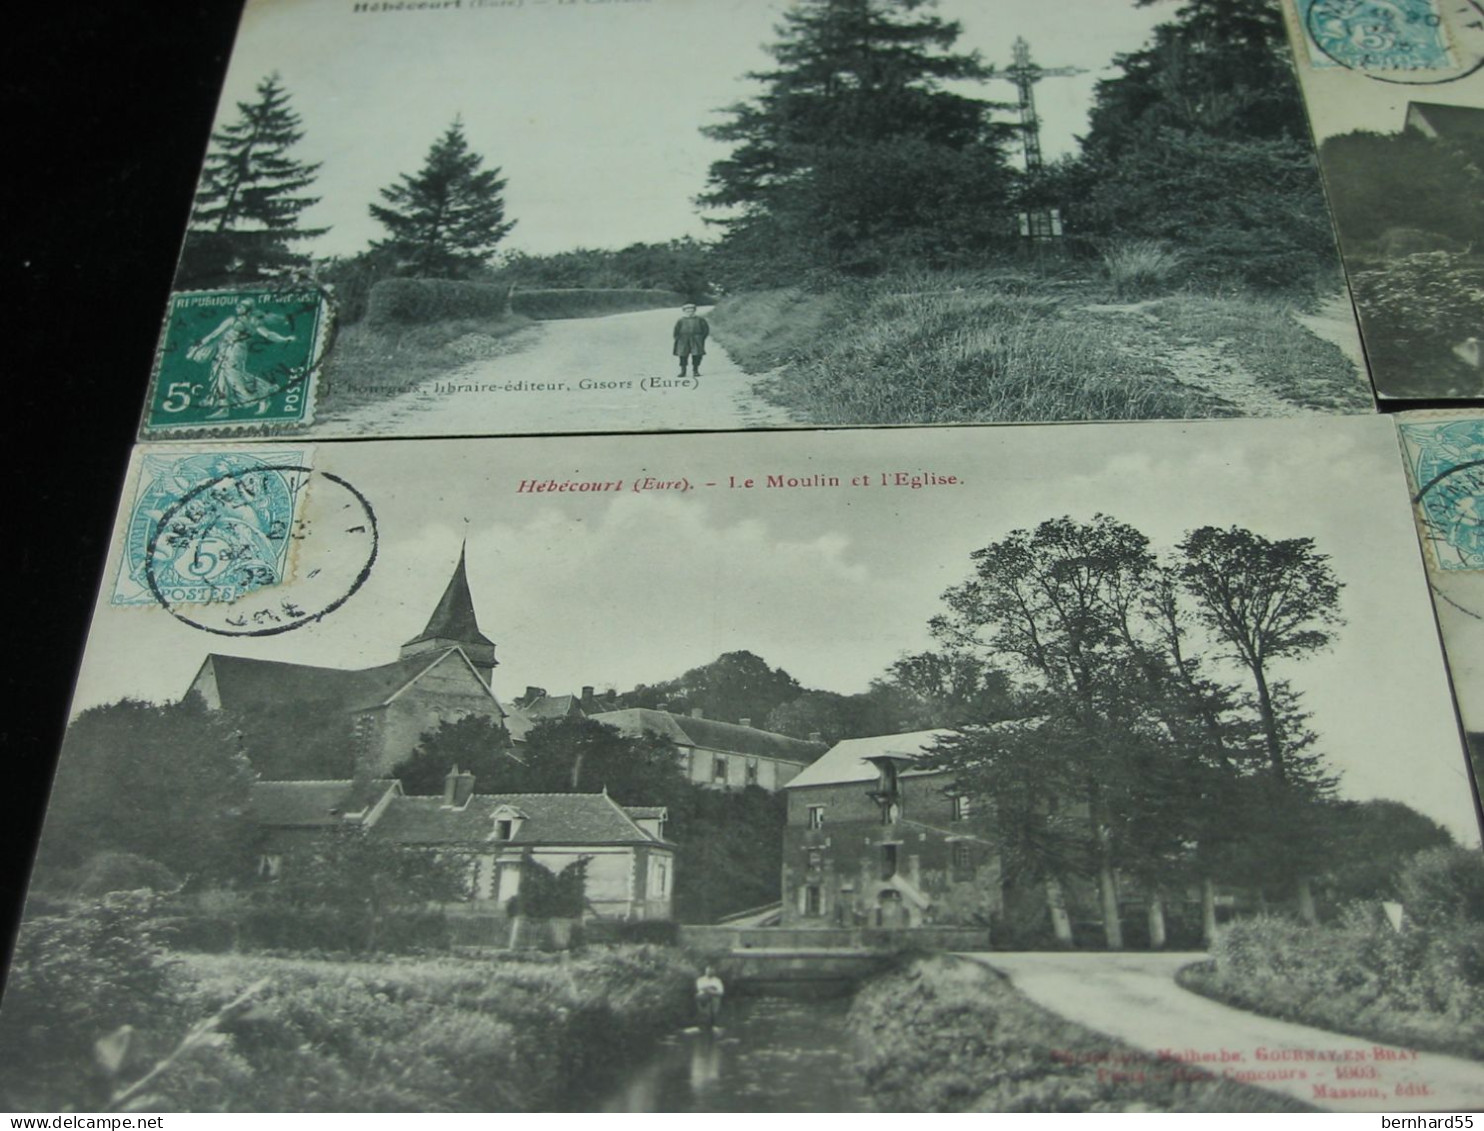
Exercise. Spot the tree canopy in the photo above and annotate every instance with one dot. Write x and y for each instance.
(253, 193)
(445, 220)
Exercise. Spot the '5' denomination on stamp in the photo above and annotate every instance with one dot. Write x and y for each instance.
(236, 359)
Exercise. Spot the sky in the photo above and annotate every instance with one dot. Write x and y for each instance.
(833, 584)
(591, 109)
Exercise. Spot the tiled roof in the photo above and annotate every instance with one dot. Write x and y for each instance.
(553, 707)
(846, 761)
(687, 730)
(314, 804)
(646, 812)
(549, 818)
(248, 684)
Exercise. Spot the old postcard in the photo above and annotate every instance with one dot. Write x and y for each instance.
(1395, 92)
(482, 217)
(619, 773)
(1445, 463)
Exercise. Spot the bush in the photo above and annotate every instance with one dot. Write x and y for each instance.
(107, 872)
(1443, 886)
(554, 304)
(433, 300)
(1139, 268)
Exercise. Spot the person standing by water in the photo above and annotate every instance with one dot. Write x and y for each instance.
(709, 992)
(691, 331)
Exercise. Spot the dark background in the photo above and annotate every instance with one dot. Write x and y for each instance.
(109, 105)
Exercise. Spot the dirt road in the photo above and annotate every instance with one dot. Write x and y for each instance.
(610, 374)
(1134, 998)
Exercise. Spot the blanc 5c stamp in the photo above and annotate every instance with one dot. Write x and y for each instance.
(229, 518)
(1412, 42)
(1446, 463)
(238, 358)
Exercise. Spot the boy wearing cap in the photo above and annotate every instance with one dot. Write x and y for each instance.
(690, 338)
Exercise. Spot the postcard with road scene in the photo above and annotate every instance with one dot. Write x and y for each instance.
(1395, 92)
(1445, 463)
(479, 217)
(670, 773)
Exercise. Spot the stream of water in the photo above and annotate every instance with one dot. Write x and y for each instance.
(771, 1054)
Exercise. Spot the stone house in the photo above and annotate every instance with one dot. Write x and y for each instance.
(718, 754)
(872, 842)
(630, 869)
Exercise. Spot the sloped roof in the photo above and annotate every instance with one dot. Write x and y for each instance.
(314, 804)
(453, 618)
(1450, 121)
(846, 761)
(646, 812)
(249, 684)
(687, 730)
(550, 818)
(554, 707)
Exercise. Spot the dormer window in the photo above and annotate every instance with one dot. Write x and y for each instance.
(505, 823)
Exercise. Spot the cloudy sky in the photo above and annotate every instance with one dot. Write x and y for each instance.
(834, 584)
(592, 108)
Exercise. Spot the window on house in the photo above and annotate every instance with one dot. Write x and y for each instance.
(719, 769)
(504, 829)
(816, 816)
(813, 900)
(661, 878)
(963, 860)
(752, 771)
(816, 861)
(963, 807)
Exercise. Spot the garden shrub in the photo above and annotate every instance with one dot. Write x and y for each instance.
(433, 300)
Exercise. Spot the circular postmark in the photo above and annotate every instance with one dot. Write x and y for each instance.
(1404, 42)
(216, 560)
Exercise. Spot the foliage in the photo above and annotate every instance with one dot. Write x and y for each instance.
(545, 894)
(1377, 847)
(681, 266)
(1443, 886)
(303, 740)
(248, 208)
(581, 755)
(364, 879)
(1202, 142)
(74, 977)
(729, 851)
(945, 1034)
(446, 220)
(1421, 987)
(169, 783)
(856, 151)
(1138, 268)
(476, 745)
(734, 686)
(420, 301)
(1414, 310)
(107, 872)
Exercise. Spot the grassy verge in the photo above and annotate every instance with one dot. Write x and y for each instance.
(1015, 346)
(372, 363)
(1422, 988)
(947, 1034)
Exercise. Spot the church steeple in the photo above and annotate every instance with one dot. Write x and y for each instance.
(453, 624)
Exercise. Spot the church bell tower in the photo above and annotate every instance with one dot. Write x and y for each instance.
(453, 624)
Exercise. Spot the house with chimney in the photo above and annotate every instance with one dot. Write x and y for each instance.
(717, 754)
(630, 863)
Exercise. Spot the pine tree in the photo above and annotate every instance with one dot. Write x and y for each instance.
(445, 221)
(251, 197)
(854, 154)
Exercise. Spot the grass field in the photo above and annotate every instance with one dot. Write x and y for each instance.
(1015, 346)
(947, 1034)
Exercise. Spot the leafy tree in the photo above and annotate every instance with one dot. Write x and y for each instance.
(446, 220)
(1374, 186)
(249, 205)
(581, 755)
(367, 878)
(299, 741)
(1374, 842)
(545, 894)
(477, 745)
(855, 149)
(169, 783)
(734, 686)
(729, 851)
(1202, 141)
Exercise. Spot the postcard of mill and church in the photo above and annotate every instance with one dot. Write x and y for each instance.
(670, 773)
(470, 217)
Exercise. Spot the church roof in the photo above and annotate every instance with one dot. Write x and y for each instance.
(454, 617)
(712, 734)
(250, 684)
(549, 818)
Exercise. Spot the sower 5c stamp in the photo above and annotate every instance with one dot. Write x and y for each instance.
(242, 524)
(1414, 42)
(238, 358)
(1445, 460)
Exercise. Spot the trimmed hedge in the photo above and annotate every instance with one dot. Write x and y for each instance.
(433, 300)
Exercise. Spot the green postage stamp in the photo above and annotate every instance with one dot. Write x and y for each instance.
(238, 358)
